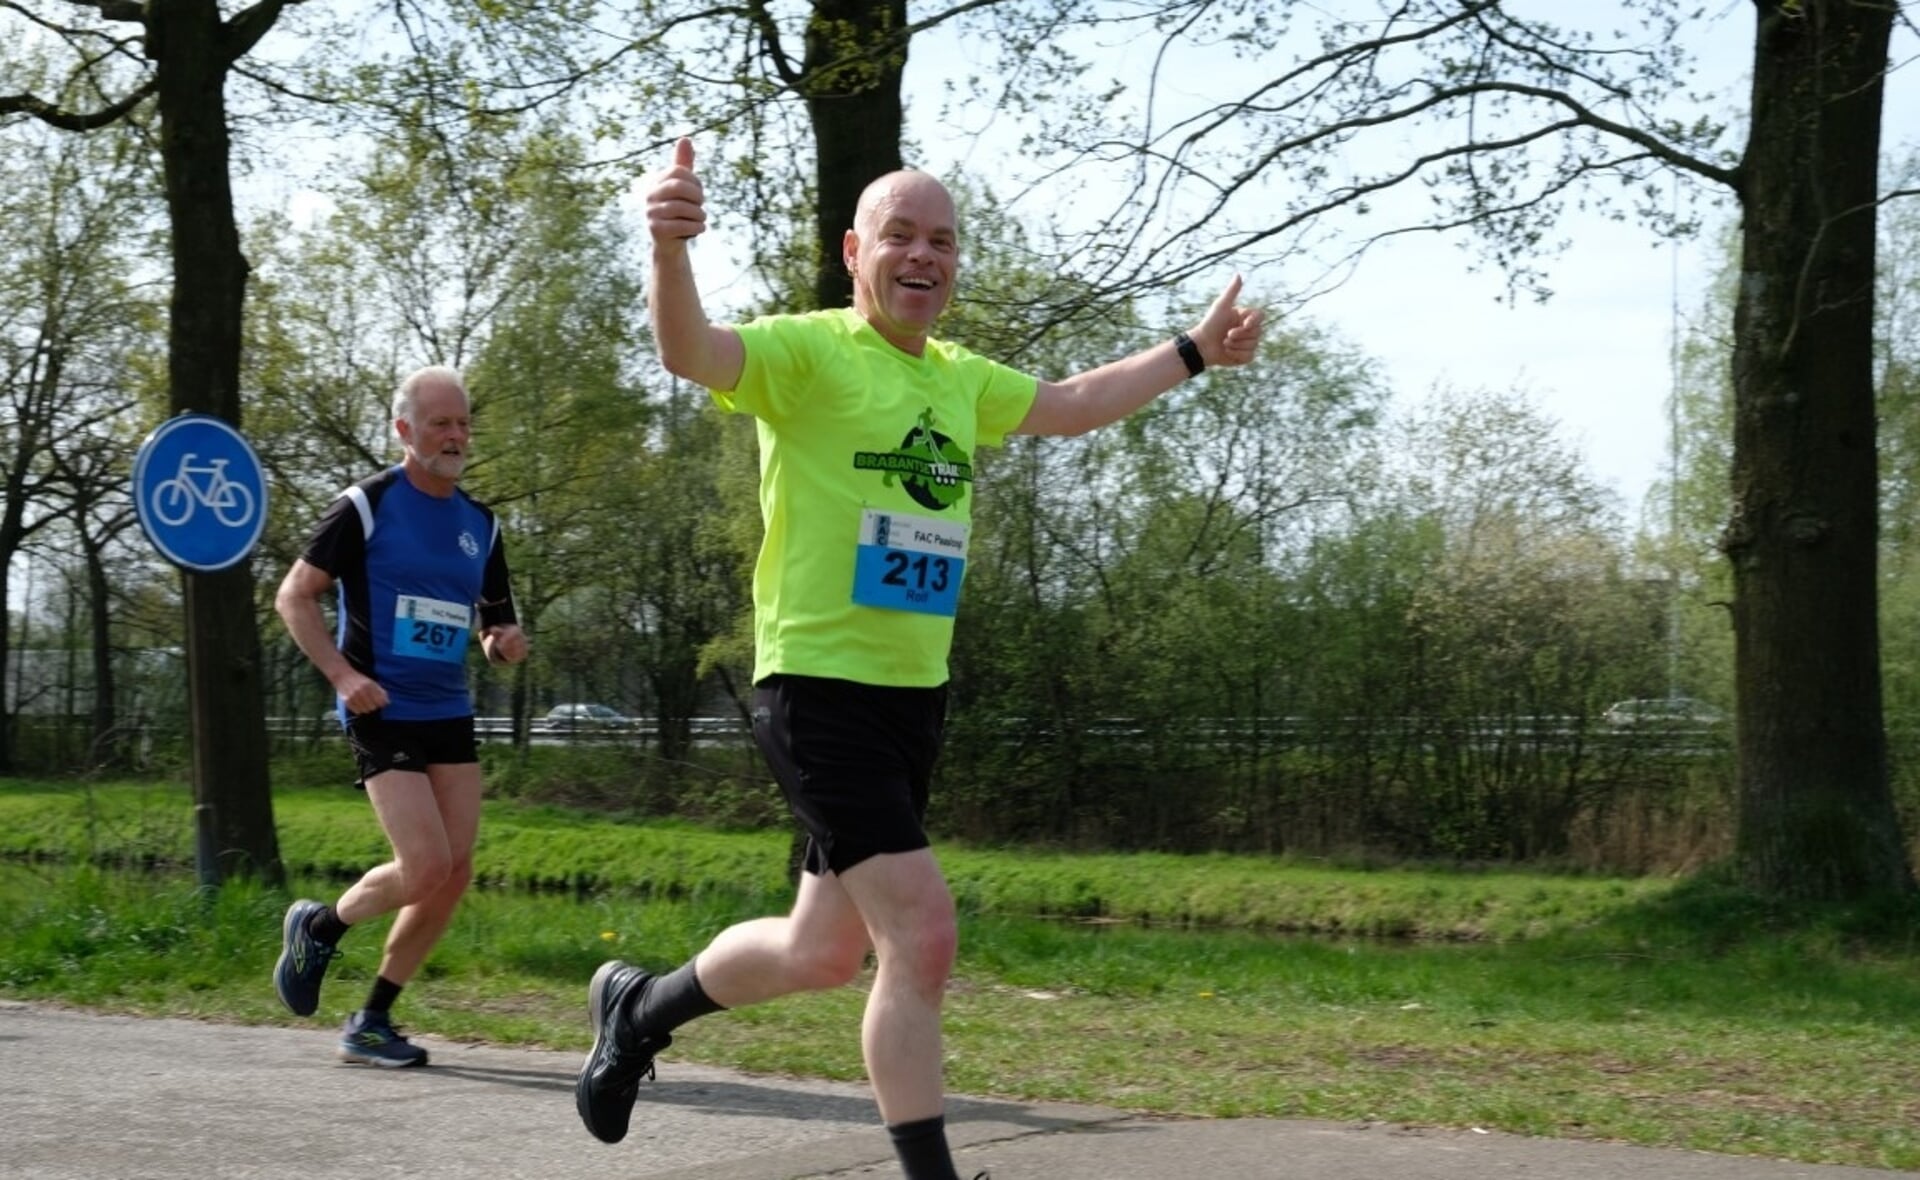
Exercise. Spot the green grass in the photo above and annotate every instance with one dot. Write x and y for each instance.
(1681, 1014)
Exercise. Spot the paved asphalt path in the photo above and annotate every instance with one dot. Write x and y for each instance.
(87, 1097)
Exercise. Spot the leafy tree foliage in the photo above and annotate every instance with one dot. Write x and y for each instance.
(1504, 121)
(77, 326)
(1236, 620)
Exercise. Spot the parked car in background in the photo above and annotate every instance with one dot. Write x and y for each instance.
(1662, 712)
(578, 718)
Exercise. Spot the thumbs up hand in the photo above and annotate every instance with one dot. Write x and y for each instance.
(676, 204)
(1228, 334)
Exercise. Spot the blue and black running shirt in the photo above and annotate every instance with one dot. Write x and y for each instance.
(417, 576)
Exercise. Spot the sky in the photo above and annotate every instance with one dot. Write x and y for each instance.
(1597, 357)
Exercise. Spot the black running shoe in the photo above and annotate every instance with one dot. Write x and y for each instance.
(303, 960)
(369, 1038)
(610, 1079)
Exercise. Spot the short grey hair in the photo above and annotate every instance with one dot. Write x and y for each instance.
(403, 397)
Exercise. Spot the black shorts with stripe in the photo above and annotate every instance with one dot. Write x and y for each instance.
(379, 745)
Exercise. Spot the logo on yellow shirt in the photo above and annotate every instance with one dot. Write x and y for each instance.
(929, 465)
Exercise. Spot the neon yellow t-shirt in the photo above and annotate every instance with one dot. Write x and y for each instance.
(858, 436)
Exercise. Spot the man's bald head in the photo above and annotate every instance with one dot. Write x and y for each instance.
(902, 252)
(888, 192)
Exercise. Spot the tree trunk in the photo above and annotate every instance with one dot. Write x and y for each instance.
(42, 387)
(12, 513)
(107, 743)
(1816, 815)
(856, 55)
(232, 794)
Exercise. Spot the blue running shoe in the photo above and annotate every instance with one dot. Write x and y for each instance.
(610, 1079)
(303, 960)
(369, 1038)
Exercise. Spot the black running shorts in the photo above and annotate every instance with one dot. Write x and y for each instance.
(854, 761)
(380, 746)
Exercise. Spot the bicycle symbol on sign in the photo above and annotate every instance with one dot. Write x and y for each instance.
(175, 500)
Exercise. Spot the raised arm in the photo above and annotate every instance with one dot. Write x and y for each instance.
(1227, 335)
(690, 347)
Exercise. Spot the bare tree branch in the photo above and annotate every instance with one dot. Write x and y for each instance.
(52, 115)
(129, 11)
(245, 28)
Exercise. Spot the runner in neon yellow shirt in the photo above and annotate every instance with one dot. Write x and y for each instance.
(868, 430)
(854, 432)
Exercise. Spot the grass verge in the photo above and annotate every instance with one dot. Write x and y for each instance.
(1679, 1014)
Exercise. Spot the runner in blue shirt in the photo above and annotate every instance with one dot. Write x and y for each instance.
(417, 565)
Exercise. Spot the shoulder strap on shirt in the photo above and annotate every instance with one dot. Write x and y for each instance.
(366, 495)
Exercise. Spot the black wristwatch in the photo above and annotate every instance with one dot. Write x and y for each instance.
(1189, 354)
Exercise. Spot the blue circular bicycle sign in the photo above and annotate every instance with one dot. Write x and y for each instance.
(199, 492)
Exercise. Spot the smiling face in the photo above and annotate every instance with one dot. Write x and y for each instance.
(903, 252)
(436, 433)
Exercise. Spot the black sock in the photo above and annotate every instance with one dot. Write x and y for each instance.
(385, 992)
(669, 1001)
(326, 926)
(922, 1148)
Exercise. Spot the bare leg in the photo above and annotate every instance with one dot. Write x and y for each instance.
(821, 943)
(896, 903)
(909, 913)
(899, 904)
(431, 820)
(420, 923)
